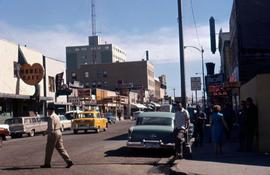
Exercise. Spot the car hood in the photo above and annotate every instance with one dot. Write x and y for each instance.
(5, 126)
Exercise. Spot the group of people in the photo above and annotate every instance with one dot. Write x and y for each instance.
(221, 122)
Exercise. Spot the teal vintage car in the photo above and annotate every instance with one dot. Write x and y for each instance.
(152, 130)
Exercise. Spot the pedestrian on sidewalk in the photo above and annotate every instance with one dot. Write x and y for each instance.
(54, 139)
(200, 119)
(218, 123)
(252, 122)
(228, 114)
(181, 125)
(242, 121)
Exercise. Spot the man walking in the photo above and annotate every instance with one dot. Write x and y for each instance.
(54, 139)
(251, 121)
(200, 119)
(181, 125)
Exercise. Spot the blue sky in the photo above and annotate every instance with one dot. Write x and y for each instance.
(134, 25)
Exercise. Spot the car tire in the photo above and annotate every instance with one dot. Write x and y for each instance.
(75, 131)
(31, 133)
(97, 130)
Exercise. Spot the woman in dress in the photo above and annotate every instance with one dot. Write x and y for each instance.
(218, 123)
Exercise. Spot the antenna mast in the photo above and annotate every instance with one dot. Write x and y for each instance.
(93, 13)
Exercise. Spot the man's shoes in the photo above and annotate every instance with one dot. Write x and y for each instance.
(45, 166)
(69, 164)
(179, 156)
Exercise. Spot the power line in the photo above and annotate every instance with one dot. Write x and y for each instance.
(195, 24)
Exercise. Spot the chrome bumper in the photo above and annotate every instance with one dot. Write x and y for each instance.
(150, 144)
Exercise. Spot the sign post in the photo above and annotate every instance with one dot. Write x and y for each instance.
(195, 86)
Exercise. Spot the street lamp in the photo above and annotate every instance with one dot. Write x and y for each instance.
(202, 51)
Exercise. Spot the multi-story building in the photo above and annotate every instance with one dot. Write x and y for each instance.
(96, 52)
(116, 76)
(225, 54)
(15, 94)
(249, 41)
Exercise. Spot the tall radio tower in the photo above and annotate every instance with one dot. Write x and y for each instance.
(93, 14)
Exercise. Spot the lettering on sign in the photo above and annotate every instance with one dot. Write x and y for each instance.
(31, 74)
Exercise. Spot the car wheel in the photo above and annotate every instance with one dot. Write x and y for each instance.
(75, 131)
(31, 133)
(97, 130)
(85, 131)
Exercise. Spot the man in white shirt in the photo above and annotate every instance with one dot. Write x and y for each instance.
(181, 125)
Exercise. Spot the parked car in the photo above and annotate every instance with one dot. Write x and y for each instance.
(4, 132)
(66, 124)
(72, 114)
(152, 130)
(26, 125)
(111, 117)
(89, 120)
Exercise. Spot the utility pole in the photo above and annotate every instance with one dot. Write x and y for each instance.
(181, 50)
(93, 14)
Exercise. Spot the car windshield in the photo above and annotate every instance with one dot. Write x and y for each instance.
(154, 121)
(90, 115)
(13, 121)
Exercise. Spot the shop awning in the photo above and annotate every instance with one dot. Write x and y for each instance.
(138, 105)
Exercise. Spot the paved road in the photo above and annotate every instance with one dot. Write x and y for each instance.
(103, 153)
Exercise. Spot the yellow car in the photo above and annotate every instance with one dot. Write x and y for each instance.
(89, 120)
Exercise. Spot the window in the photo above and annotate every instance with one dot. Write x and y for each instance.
(105, 74)
(77, 49)
(86, 74)
(84, 49)
(51, 84)
(107, 47)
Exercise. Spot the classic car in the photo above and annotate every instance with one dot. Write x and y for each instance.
(26, 125)
(66, 124)
(4, 131)
(89, 120)
(152, 130)
(72, 114)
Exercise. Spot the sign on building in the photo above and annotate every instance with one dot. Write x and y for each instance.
(195, 83)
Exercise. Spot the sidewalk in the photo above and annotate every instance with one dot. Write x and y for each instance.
(205, 162)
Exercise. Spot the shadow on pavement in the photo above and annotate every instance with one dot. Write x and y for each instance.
(26, 167)
(230, 154)
(119, 137)
(151, 153)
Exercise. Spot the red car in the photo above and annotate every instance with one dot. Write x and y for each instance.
(4, 133)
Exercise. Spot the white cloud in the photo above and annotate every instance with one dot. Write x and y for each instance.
(162, 44)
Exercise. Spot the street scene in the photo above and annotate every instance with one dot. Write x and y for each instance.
(135, 87)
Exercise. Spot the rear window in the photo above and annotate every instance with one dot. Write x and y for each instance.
(13, 121)
(162, 121)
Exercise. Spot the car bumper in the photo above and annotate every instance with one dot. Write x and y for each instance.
(17, 132)
(85, 128)
(149, 144)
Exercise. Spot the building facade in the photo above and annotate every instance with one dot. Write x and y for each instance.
(96, 52)
(249, 39)
(15, 94)
(137, 75)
